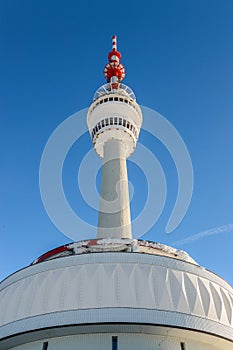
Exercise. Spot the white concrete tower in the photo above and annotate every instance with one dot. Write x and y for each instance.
(114, 120)
(115, 294)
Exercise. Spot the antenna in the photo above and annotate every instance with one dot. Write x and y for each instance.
(114, 71)
(114, 43)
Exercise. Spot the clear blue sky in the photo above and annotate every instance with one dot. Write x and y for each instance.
(178, 56)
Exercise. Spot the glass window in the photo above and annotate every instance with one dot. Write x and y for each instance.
(182, 346)
(114, 343)
(45, 345)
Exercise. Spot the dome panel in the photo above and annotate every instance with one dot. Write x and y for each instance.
(162, 294)
(227, 306)
(143, 286)
(193, 295)
(217, 299)
(205, 294)
(175, 283)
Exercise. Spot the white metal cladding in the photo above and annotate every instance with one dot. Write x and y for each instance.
(128, 111)
(125, 341)
(116, 287)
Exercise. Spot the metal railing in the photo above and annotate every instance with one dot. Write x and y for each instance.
(123, 90)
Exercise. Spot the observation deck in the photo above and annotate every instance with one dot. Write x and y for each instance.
(114, 114)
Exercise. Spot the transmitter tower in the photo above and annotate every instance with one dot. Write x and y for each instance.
(114, 292)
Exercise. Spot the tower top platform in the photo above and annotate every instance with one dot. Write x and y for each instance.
(122, 90)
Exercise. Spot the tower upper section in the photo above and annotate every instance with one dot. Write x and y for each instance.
(114, 113)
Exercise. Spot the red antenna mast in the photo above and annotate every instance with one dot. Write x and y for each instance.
(114, 71)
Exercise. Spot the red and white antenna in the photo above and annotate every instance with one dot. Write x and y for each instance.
(114, 71)
(114, 43)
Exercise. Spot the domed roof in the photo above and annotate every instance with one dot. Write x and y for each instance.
(110, 287)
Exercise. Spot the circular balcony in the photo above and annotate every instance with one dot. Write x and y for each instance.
(123, 90)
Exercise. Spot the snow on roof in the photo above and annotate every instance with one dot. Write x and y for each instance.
(115, 245)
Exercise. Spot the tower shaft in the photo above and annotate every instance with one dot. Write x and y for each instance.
(114, 212)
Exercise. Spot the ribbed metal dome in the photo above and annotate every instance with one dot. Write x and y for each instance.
(114, 288)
